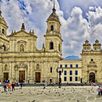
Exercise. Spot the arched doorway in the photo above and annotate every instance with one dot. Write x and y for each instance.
(92, 77)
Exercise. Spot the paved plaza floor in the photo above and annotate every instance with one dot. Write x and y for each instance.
(52, 94)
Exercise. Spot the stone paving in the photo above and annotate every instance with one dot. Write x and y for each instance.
(52, 94)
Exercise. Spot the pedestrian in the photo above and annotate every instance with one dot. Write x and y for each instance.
(0, 82)
(5, 87)
(44, 84)
(13, 86)
(99, 90)
(21, 85)
(9, 86)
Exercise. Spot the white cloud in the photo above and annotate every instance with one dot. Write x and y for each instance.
(75, 32)
(95, 21)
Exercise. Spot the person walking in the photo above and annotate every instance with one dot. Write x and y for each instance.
(5, 87)
(21, 85)
(13, 86)
(99, 90)
(9, 86)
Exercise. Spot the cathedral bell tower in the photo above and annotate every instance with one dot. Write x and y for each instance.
(3, 25)
(53, 40)
(86, 46)
(97, 46)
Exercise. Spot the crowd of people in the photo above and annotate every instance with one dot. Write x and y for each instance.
(10, 86)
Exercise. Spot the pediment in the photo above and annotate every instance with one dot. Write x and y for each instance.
(92, 64)
(22, 34)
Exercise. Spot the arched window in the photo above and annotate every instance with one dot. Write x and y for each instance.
(51, 45)
(3, 31)
(4, 47)
(5, 67)
(21, 48)
(50, 80)
(37, 66)
(52, 28)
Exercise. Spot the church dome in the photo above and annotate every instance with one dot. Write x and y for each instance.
(53, 16)
(86, 43)
(97, 41)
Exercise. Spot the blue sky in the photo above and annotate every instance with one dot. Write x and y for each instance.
(67, 5)
(80, 19)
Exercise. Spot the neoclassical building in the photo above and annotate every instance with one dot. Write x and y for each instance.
(72, 70)
(20, 60)
(86, 69)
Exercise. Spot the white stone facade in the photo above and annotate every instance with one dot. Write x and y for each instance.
(21, 61)
(71, 71)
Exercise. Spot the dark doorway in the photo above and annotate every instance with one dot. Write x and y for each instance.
(6, 76)
(37, 77)
(92, 77)
(21, 76)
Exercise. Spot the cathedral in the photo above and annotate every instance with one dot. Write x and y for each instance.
(21, 61)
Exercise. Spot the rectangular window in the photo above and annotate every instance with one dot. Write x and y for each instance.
(65, 72)
(65, 78)
(76, 72)
(76, 78)
(70, 72)
(51, 70)
(70, 78)
(76, 65)
(65, 65)
(71, 65)
(60, 65)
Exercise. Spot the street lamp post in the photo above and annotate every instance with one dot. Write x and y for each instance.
(59, 71)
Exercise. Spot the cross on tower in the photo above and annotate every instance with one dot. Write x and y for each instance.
(53, 5)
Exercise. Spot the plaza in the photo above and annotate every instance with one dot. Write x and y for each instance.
(22, 61)
(52, 94)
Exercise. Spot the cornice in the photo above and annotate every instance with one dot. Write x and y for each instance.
(52, 35)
